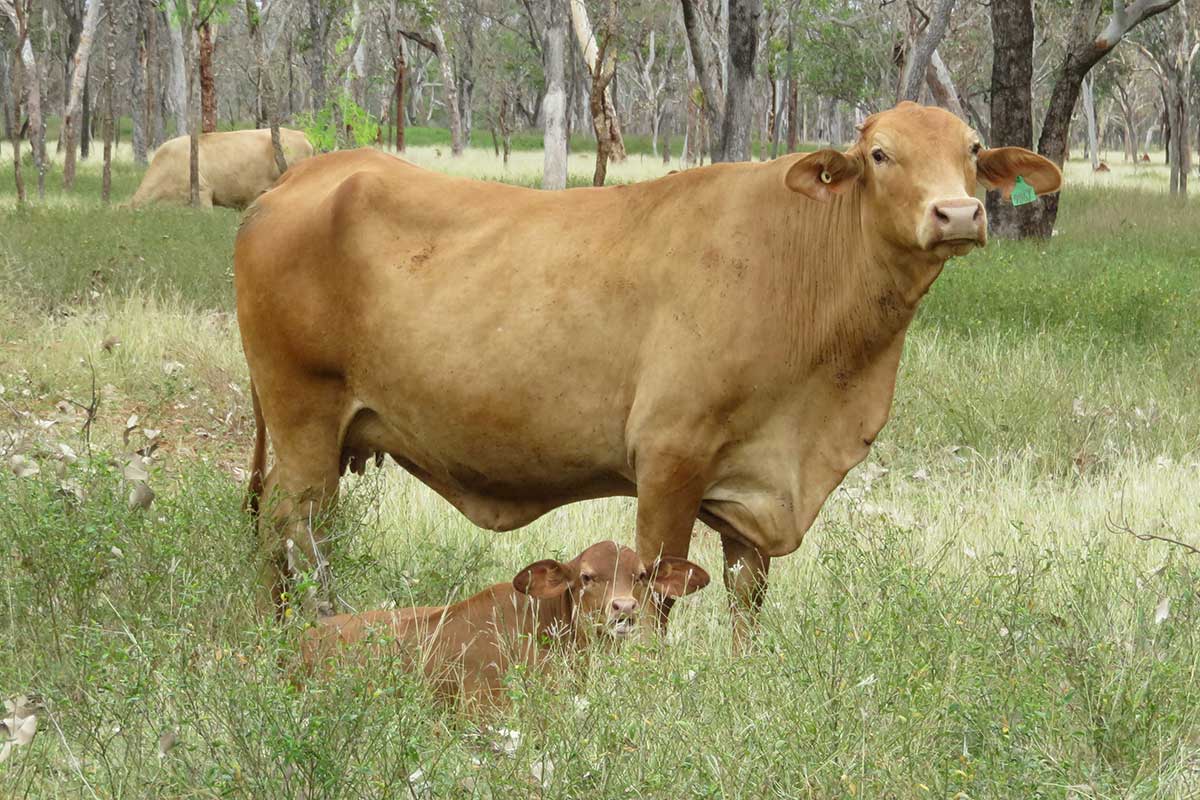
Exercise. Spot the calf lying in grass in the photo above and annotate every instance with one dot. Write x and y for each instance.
(466, 649)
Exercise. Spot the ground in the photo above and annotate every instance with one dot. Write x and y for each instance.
(970, 617)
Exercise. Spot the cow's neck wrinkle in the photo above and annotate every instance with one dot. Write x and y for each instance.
(843, 298)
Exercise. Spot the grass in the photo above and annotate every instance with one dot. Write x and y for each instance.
(963, 621)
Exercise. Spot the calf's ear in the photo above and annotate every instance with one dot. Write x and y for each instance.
(543, 579)
(676, 577)
(999, 168)
(823, 174)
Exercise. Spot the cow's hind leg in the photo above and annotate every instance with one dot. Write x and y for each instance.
(300, 495)
(745, 575)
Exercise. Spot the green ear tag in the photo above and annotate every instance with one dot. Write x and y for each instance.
(1022, 193)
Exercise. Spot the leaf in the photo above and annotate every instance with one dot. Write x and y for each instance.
(67, 453)
(969, 551)
(542, 771)
(1162, 611)
(132, 422)
(26, 730)
(24, 466)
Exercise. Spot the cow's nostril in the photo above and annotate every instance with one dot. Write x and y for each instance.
(941, 217)
(978, 214)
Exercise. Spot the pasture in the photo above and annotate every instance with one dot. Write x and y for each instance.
(971, 616)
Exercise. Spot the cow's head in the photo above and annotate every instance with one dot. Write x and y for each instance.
(916, 169)
(609, 585)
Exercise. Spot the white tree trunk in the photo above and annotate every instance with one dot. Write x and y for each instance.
(177, 95)
(942, 86)
(554, 105)
(590, 50)
(1089, 111)
(451, 87)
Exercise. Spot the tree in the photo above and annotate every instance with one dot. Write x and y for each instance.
(604, 112)
(555, 142)
(922, 50)
(1086, 46)
(1012, 104)
(110, 81)
(711, 96)
(208, 83)
(19, 13)
(79, 70)
(1172, 49)
(12, 114)
(742, 44)
(254, 21)
(436, 44)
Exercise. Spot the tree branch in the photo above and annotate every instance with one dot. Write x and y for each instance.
(1149, 537)
(428, 44)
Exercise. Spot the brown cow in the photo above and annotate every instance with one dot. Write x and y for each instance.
(721, 343)
(466, 649)
(235, 168)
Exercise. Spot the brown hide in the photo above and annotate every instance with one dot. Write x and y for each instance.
(465, 650)
(235, 167)
(722, 342)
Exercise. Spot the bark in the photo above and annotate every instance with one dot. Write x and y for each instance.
(267, 100)
(941, 86)
(318, 30)
(208, 82)
(712, 98)
(591, 56)
(1089, 112)
(922, 50)
(601, 78)
(1012, 103)
(452, 107)
(554, 139)
(177, 96)
(78, 78)
(87, 118)
(401, 65)
(739, 101)
(137, 83)
(110, 81)
(12, 113)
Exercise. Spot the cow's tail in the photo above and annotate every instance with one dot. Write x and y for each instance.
(258, 462)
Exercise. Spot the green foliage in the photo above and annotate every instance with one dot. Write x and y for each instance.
(340, 119)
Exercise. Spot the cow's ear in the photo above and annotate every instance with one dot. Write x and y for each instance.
(999, 168)
(676, 577)
(543, 579)
(823, 174)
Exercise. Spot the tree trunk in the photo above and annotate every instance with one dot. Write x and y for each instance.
(712, 97)
(1089, 111)
(137, 83)
(178, 99)
(1012, 103)
(12, 115)
(922, 50)
(588, 47)
(554, 119)
(208, 82)
(78, 80)
(743, 50)
(941, 86)
(110, 80)
(267, 100)
(446, 62)
(401, 65)
(318, 30)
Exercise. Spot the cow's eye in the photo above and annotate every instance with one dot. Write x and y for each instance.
(879, 156)
(643, 576)
(975, 148)
(586, 578)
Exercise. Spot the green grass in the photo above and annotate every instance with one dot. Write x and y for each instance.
(963, 621)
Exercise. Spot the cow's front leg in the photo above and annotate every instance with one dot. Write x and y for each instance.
(745, 573)
(669, 491)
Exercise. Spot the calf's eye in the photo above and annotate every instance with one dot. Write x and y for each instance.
(879, 156)
(975, 148)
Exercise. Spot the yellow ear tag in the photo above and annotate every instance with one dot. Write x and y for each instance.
(1023, 193)
(826, 177)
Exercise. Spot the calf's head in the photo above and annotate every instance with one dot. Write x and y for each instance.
(608, 585)
(916, 169)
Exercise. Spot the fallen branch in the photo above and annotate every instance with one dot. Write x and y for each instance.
(1149, 537)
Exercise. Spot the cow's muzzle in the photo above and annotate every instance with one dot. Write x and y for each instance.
(961, 221)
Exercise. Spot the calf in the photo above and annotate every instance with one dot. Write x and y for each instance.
(466, 649)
